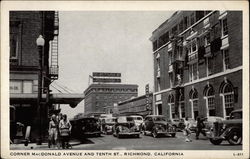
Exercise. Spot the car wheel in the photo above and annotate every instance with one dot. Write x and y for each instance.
(216, 141)
(154, 133)
(235, 138)
(173, 135)
(118, 136)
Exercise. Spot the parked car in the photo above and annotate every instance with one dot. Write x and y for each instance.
(177, 123)
(107, 124)
(157, 125)
(125, 126)
(138, 120)
(209, 121)
(230, 130)
(85, 126)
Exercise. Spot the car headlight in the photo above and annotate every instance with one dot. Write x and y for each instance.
(224, 126)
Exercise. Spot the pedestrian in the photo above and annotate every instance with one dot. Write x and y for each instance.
(187, 131)
(65, 129)
(53, 131)
(59, 142)
(200, 127)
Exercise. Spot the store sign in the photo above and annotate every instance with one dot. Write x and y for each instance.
(106, 74)
(107, 80)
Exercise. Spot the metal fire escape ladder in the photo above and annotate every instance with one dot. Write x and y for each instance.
(54, 68)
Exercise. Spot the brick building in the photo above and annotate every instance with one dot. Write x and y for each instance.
(198, 64)
(141, 105)
(25, 28)
(106, 91)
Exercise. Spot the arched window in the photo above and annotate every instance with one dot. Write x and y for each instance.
(171, 106)
(194, 103)
(181, 106)
(209, 96)
(228, 98)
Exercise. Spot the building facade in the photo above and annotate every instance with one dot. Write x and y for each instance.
(25, 27)
(99, 98)
(198, 64)
(141, 105)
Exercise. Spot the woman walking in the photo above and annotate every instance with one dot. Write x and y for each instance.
(53, 131)
(65, 129)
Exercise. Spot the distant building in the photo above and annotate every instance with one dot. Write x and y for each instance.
(106, 91)
(141, 105)
(198, 64)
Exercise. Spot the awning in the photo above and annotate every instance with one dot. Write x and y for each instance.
(56, 98)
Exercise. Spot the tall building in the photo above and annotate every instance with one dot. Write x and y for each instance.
(198, 64)
(106, 91)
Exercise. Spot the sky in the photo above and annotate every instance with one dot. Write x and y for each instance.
(106, 41)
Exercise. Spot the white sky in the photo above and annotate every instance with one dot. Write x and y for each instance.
(106, 41)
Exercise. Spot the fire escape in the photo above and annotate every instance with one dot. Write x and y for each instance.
(54, 68)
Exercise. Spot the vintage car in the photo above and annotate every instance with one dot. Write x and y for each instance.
(209, 121)
(230, 130)
(107, 124)
(177, 123)
(157, 125)
(125, 126)
(138, 120)
(85, 126)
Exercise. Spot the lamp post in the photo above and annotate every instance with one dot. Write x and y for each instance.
(40, 43)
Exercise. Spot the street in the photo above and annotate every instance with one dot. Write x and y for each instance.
(108, 142)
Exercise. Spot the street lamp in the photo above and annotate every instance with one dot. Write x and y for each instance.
(40, 43)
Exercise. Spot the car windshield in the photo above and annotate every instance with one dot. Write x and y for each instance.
(236, 115)
(137, 118)
(130, 119)
(110, 120)
(159, 119)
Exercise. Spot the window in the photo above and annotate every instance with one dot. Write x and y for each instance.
(15, 86)
(158, 84)
(186, 23)
(193, 72)
(210, 101)
(192, 50)
(174, 30)
(158, 71)
(181, 26)
(21, 86)
(194, 103)
(210, 66)
(228, 98)
(170, 57)
(207, 39)
(14, 46)
(192, 18)
(27, 86)
(171, 106)
(226, 59)
(181, 107)
(154, 45)
(171, 80)
(224, 27)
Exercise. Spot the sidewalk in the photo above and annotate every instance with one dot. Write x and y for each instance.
(34, 146)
